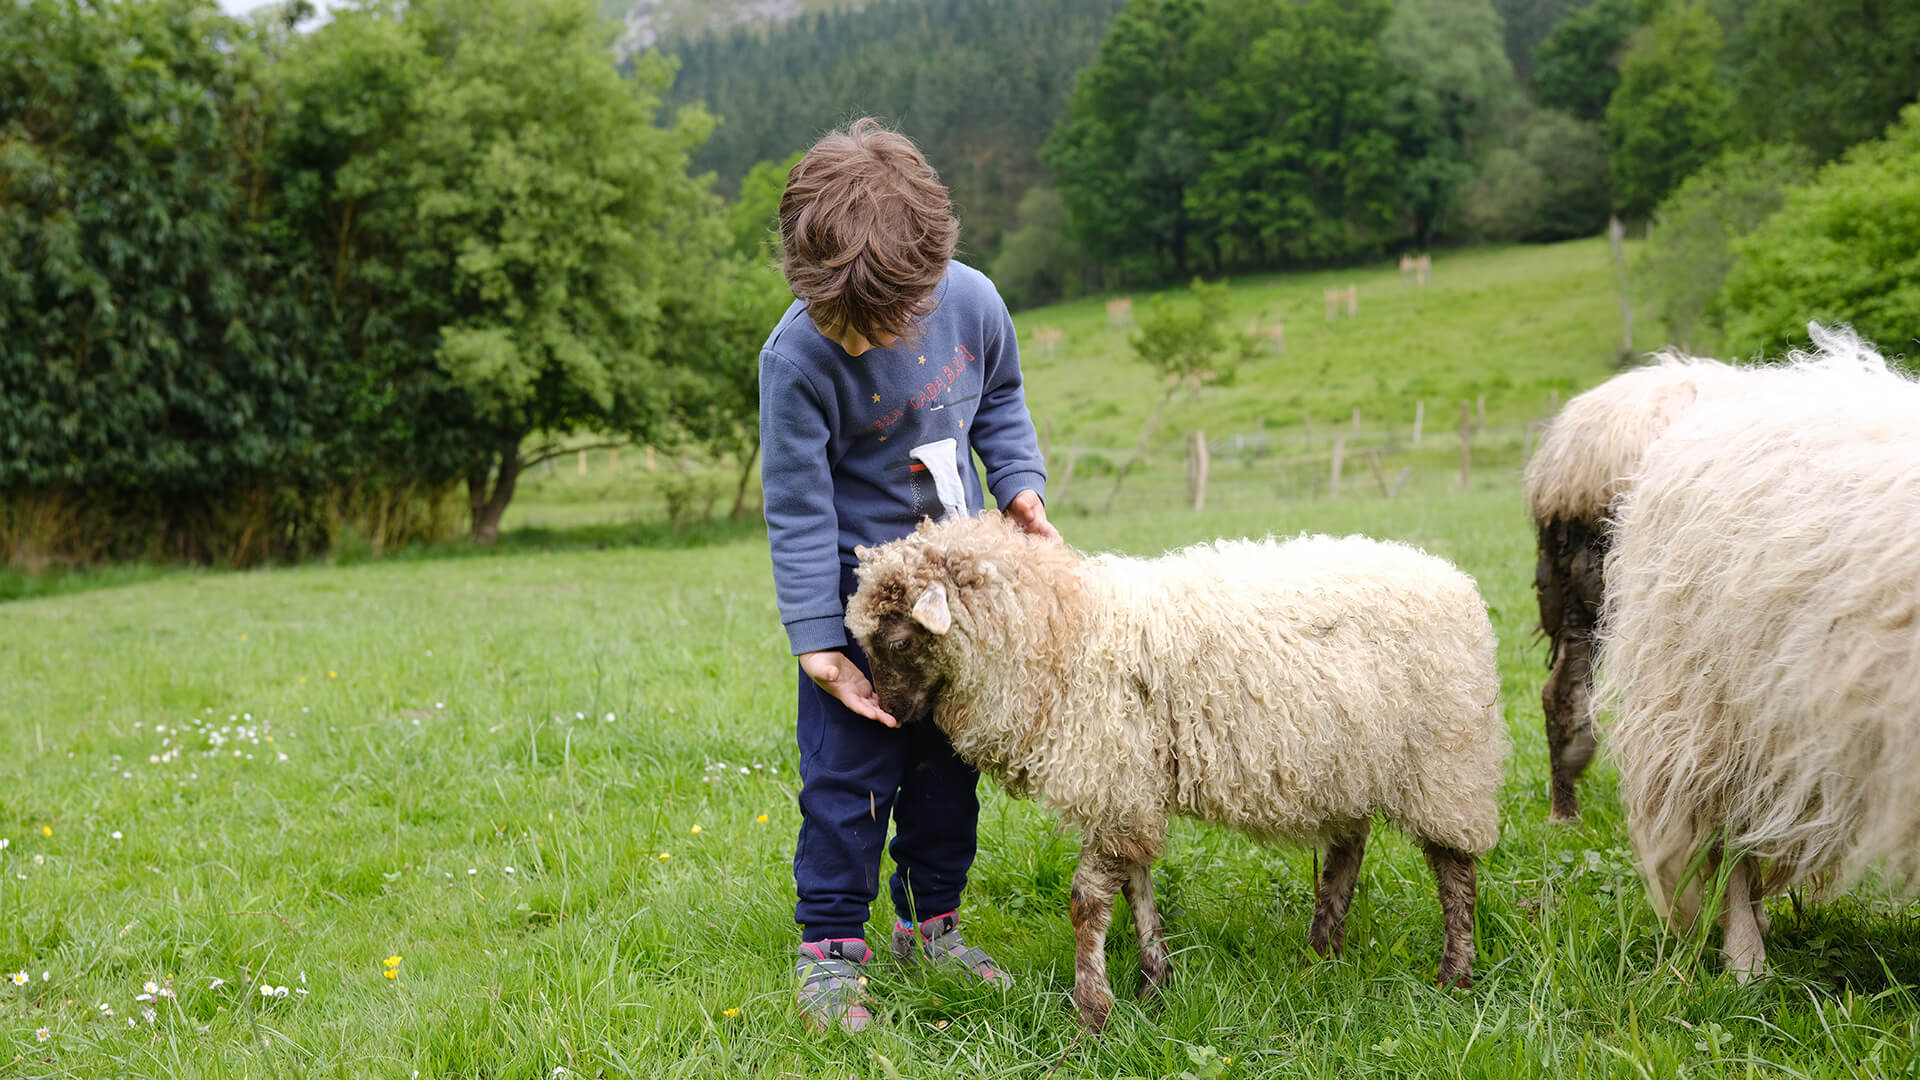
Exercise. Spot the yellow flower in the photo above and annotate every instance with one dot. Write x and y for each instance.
(333, 674)
(391, 974)
(46, 830)
(303, 678)
(730, 1013)
(664, 856)
(761, 820)
(243, 637)
(1226, 1061)
(695, 830)
(393, 961)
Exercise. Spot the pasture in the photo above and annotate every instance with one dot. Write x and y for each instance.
(530, 814)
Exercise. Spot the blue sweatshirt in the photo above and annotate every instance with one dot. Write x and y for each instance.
(857, 449)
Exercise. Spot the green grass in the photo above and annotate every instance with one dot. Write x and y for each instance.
(444, 716)
(444, 720)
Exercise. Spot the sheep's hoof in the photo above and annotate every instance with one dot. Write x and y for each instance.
(1156, 971)
(1327, 941)
(1564, 815)
(1094, 1008)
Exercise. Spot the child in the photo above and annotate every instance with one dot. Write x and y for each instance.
(891, 369)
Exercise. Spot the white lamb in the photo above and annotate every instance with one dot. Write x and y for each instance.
(1291, 690)
(1760, 643)
(1583, 463)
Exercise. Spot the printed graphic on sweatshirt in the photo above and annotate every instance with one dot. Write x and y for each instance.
(933, 395)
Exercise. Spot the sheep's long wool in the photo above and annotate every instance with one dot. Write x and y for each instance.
(1290, 689)
(1596, 442)
(1759, 640)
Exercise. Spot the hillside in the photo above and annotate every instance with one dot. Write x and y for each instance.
(646, 23)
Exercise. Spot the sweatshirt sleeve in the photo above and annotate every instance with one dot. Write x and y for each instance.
(803, 530)
(1003, 432)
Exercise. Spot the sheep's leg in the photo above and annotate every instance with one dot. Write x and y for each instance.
(1155, 966)
(1328, 934)
(1568, 583)
(1740, 932)
(1094, 885)
(1453, 871)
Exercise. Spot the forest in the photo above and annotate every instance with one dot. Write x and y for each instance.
(267, 283)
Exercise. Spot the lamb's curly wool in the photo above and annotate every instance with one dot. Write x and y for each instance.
(1759, 641)
(1292, 690)
(1583, 462)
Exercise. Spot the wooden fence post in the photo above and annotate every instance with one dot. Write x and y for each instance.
(1466, 444)
(1553, 400)
(1401, 480)
(1480, 410)
(583, 463)
(1616, 237)
(1197, 469)
(649, 457)
(1339, 452)
(613, 460)
(1373, 459)
(1419, 419)
(1356, 419)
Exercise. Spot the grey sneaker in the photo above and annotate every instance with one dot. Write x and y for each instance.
(832, 989)
(938, 940)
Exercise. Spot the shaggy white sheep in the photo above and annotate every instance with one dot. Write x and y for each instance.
(1292, 690)
(1583, 462)
(1759, 640)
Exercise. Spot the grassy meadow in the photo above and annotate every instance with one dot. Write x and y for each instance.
(530, 814)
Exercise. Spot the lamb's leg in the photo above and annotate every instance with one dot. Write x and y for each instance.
(1453, 871)
(1155, 966)
(1740, 932)
(1328, 934)
(1094, 885)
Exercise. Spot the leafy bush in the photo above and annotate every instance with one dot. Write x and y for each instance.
(1844, 248)
(1691, 250)
(1039, 263)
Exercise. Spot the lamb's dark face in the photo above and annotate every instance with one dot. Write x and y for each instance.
(906, 674)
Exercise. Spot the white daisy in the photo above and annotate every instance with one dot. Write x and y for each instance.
(19, 978)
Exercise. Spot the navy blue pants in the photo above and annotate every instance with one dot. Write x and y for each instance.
(855, 775)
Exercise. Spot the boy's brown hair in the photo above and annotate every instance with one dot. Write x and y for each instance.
(866, 231)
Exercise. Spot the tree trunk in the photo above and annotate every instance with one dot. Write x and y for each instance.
(740, 492)
(1146, 433)
(486, 509)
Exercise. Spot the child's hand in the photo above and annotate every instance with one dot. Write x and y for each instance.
(1028, 512)
(833, 672)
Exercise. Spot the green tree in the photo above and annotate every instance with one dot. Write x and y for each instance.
(1125, 154)
(753, 217)
(1300, 163)
(1686, 261)
(1670, 113)
(500, 242)
(1844, 248)
(1038, 261)
(1454, 88)
(1524, 25)
(1549, 182)
(1187, 345)
(1824, 75)
(1577, 68)
(159, 378)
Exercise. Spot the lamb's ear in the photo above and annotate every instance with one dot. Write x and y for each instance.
(861, 551)
(931, 609)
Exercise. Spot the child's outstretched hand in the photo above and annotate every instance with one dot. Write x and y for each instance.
(1028, 512)
(833, 672)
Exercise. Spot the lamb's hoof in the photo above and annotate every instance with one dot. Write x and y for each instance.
(1093, 1010)
(1455, 980)
(1564, 815)
(1327, 942)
